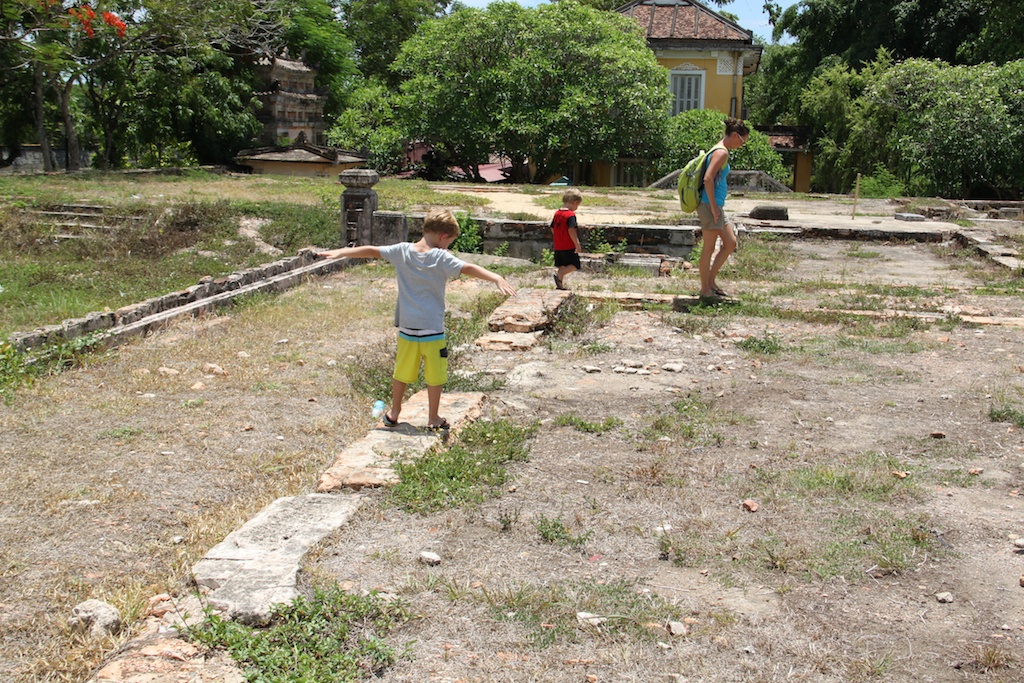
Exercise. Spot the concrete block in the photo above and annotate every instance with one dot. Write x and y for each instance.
(257, 566)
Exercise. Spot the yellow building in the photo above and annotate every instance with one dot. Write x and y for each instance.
(707, 57)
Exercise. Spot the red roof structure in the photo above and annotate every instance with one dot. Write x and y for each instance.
(688, 25)
(683, 20)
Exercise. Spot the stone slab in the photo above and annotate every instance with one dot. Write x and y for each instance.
(628, 299)
(368, 461)
(509, 341)
(257, 566)
(530, 311)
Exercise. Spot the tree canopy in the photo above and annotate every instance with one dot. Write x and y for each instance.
(954, 131)
(558, 84)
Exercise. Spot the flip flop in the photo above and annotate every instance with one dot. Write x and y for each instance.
(443, 427)
(558, 282)
(388, 422)
(720, 292)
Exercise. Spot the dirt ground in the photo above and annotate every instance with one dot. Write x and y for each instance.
(927, 410)
(118, 475)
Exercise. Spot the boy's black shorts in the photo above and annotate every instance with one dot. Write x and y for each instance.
(567, 257)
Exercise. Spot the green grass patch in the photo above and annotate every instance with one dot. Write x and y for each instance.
(408, 195)
(557, 532)
(554, 201)
(690, 420)
(579, 424)
(331, 637)
(623, 607)
(862, 253)
(19, 369)
(468, 472)
(766, 344)
(291, 227)
(760, 258)
(575, 317)
(1007, 413)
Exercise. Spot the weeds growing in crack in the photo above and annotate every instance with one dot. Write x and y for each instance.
(466, 472)
(332, 636)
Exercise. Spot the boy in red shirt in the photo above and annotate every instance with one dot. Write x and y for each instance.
(567, 241)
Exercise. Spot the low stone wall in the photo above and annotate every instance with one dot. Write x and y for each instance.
(528, 239)
(207, 288)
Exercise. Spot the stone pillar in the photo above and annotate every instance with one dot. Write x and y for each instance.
(389, 227)
(358, 202)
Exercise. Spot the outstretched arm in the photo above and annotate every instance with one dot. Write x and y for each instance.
(473, 270)
(366, 251)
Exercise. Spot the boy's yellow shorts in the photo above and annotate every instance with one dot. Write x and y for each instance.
(433, 349)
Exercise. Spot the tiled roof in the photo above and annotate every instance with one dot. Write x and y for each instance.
(682, 20)
(300, 152)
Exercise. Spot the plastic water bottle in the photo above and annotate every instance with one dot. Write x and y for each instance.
(378, 409)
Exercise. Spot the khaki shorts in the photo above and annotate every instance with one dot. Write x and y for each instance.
(707, 219)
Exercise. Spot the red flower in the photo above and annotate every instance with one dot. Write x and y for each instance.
(115, 21)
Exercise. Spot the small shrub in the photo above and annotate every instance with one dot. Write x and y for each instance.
(1007, 413)
(578, 423)
(881, 185)
(555, 531)
(469, 240)
(765, 345)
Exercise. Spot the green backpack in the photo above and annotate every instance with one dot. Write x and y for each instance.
(690, 180)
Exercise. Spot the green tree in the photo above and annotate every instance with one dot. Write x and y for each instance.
(955, 131)
(371, 123)
(772, 95)
(379, 27)
(1001, 38)
(692, 131)
(193, 107)
(854, 30)
(557, 85)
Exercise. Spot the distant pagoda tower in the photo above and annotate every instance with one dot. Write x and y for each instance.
(291, 104)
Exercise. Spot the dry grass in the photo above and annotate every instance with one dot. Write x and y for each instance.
(118, 477)
(832, 579)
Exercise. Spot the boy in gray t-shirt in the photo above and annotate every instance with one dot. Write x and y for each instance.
(423, 269)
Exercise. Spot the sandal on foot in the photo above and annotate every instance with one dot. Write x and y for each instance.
(720, 292)
(443, 426)
(558, 282)
(388, 422)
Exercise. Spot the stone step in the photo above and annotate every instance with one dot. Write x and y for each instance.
(257, 566)
(509, 341)
(368, 462)
(532, 310)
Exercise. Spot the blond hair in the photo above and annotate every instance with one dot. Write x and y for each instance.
(441, 222)
(571, 195)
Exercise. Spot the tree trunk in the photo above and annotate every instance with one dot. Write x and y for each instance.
(40, 116)
(70, 136)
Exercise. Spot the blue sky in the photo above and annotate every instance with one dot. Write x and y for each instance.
(750, 12)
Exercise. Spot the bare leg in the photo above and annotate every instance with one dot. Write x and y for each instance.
(728, 247)
(434, 405)
(397, 396)
(708, 240)
(565, 270)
